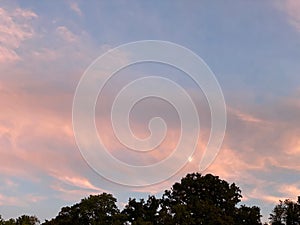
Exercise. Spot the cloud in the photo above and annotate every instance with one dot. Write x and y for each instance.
(79, 182)
(74, 6)
(45, 54)
(8, 55)
(24, 13)
(37, 142)
(292, 10)
(68, 194)
(66, 34)
(9, 201)
(246, 117)
(35, 120)
(290, 190)
(15, 28)
(265, 196)
(23, 201)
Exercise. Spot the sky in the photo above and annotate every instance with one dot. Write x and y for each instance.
(253, 48)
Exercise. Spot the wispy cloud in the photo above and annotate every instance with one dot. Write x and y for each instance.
(9, 201)
(290, 190)
(292, 10)
(79, 182)
(24, 200)
(75, 7)
(66, 34)
(15, 27)
(72, 194)
(245, 116)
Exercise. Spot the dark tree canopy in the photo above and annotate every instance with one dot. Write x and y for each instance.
(94, 210)
(141, 212)
(22, 220)
(286, 213)
(206, 200)
(248, 215)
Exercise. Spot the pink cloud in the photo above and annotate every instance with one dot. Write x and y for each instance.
(22, 201)
(37, 143)
(8, 55)
(292, 10)
(246, 117)
(79, 182)
(291, 191)
(25, 13)
(74, 6)
(10, 201)
(66, 34)
(45, 54)
(73, 194)
(15, 28)
(265, 196)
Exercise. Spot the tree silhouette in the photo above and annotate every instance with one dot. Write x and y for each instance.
(22, 220)
(27, 220)
(248, 215)
(141, 212)
(94, 210)
(195, 200)
(207, 200)
(286, 213)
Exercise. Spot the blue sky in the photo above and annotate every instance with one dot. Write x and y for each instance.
(253, 47)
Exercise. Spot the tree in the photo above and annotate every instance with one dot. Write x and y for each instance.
(141, 212)
(2, 221)
(292, 212)
(10, 222)
(94, 210)
(206, 200)
(248, 215)
(27, 220)
(277, 217)
(21, 220)
(286, 213)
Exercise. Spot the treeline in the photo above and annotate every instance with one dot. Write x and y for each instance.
(196, 200)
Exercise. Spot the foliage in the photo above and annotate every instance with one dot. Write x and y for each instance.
(248, 215)
(22, 220)
(286, 213)
(195, 200)
(94, 210)
(205, 200)
(141, 212)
